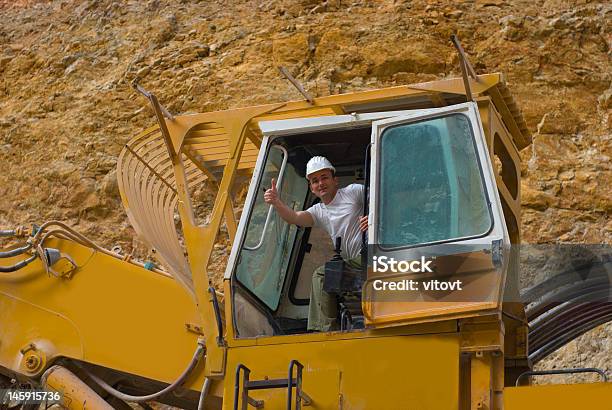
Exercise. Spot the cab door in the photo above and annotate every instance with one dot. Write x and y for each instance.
(437, 236)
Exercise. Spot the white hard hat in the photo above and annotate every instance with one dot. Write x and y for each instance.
(318, 163)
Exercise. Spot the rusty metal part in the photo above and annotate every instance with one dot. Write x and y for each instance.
(76, 394)
(463, 64)
(193, 328)
(22, 231)
(463, 56)
(296, 84)
(152, 97)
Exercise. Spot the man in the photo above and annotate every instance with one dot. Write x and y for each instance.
(340, 214)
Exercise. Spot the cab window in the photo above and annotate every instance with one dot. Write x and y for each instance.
(267, 248)
(431, 187)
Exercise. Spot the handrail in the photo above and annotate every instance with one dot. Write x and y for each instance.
(562, 371)
(300, 395)
(270, 209)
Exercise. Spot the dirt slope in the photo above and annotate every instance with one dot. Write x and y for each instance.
(66, 107)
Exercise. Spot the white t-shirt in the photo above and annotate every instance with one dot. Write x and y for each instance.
(340, 218)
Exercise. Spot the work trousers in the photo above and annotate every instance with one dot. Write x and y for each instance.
(323, 308)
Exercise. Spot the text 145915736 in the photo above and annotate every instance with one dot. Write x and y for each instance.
(29, 396)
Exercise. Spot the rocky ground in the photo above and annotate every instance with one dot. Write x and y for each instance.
(66, 106)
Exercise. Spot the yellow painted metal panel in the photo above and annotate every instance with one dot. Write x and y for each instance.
(456, 85)
(110, 313)
(449, 327)
(559, 397)
(24, 322)
(394, 372)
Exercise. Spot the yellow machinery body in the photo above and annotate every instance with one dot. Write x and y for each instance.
(138, 327)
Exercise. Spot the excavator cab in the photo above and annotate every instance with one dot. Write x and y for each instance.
(431, 195)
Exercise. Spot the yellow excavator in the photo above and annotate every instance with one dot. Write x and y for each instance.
(440, 161)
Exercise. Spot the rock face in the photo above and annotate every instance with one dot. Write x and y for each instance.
(66, 106)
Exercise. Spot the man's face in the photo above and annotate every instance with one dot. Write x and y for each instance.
(324, 185)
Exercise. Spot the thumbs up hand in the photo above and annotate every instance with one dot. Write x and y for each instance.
(271, 194)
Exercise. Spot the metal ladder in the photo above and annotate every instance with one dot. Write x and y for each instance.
(289, 383)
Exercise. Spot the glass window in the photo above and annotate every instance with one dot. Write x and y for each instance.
(267, 248)
(431, 188)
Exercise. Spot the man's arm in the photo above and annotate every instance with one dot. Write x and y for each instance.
(301, 218)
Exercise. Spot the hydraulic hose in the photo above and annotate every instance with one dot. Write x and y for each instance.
(7, 233)
(39, 236)
(66, 232)
(18, 265)
(126, 397)
(15, 252)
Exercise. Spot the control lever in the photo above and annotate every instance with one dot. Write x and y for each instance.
(337, 250)
(340, 277)
(334, 269)
(345, 281)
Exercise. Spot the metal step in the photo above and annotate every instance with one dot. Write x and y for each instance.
(289, 383)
